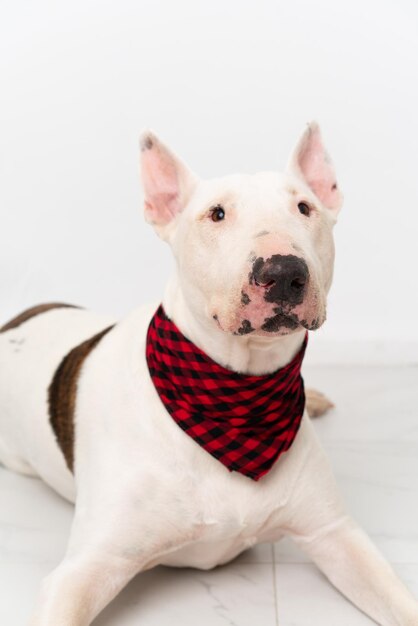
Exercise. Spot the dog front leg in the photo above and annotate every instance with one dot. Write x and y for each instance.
(318, 523)
(353, 564)
(80, 587)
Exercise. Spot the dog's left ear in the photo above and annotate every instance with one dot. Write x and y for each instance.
(168, 183)
(310, 161)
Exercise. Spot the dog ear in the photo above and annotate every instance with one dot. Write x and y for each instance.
(167, 182)
(310, 161)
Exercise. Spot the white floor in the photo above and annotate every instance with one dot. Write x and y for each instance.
(372, 440)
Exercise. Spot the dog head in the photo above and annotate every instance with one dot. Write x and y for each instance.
(255, 253)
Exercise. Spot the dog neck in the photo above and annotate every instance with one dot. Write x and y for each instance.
(244, 354)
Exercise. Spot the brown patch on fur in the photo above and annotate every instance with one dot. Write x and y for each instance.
(35, 310)
(62, 394)
(292, 191)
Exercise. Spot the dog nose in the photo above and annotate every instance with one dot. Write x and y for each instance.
(284, 277)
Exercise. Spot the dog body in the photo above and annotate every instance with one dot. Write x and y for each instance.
(78, 407)
(215, 514)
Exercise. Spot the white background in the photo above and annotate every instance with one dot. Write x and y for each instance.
(228, 85)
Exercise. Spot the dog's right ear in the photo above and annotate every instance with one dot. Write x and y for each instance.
(168, 183)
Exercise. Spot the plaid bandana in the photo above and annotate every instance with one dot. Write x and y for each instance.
(244, 421)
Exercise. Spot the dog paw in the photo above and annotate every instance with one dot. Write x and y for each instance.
(317, 403)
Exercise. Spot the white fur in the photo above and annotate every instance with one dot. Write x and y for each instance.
(145, 492)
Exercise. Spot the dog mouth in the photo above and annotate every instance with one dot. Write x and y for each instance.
(280, 320)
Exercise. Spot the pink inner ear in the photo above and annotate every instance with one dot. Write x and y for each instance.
(161, 186)
(319, 172)
(162, 208)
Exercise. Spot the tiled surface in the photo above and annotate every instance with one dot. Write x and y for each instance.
(372, 440)
(241, 594)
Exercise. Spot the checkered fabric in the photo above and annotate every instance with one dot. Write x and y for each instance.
(245, 422)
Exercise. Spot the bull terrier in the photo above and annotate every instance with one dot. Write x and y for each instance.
(180, 431)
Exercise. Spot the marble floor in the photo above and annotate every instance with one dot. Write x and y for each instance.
(372, 439)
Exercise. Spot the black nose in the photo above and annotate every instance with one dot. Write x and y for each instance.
(284, 278)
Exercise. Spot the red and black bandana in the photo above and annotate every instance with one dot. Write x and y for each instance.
(245, 422)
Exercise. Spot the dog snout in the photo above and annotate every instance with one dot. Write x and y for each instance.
(283, 277)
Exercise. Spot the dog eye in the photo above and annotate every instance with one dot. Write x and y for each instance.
(304, 208)
(217, 213)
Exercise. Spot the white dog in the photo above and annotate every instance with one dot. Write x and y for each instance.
(82, 401)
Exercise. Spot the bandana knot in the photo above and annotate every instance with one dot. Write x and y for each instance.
(245, 421)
